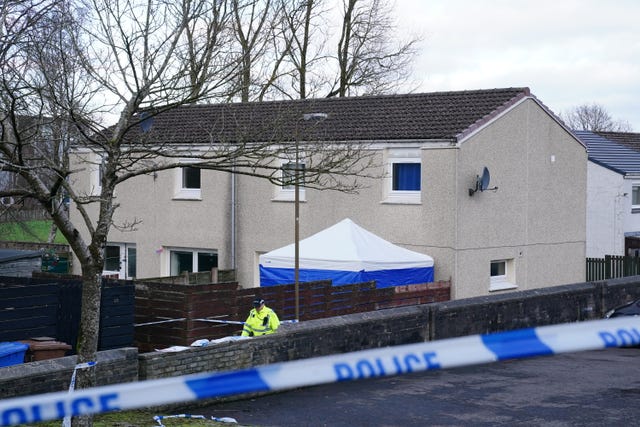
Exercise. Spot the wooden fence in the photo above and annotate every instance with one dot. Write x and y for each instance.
(611, 267)
(195, 278)
(173, 314)
(168, 314)
(50, 307)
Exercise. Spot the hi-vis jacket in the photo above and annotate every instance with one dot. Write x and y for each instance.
(260, 322)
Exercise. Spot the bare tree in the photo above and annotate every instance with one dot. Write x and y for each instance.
(133, 61)
(369, 62)
(261, 47)
(285, 49)
(210, 35)
(593, 117)
(303, 23)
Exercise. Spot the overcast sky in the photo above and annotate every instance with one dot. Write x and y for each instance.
(568, 52)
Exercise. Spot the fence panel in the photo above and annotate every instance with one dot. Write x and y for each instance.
(116, 316)
(30, 307)
(612, 267)
(27, 311)
(166, 303)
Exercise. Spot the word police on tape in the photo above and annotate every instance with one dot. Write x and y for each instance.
(442, 354)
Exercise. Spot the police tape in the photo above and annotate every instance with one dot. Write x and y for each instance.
(404, 359)
(231, 322)
(66, 421)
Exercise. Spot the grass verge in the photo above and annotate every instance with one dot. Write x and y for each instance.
(141, 419)
(29, 231)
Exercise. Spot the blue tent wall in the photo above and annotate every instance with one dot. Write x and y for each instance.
(383, 278)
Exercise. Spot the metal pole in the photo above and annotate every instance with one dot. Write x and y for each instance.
(297, 237)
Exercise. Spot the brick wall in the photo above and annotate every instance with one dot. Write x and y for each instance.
(537, 307)
(113, 367)
(403, 325)
(319, 337)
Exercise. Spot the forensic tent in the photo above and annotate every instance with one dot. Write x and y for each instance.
(346, 253)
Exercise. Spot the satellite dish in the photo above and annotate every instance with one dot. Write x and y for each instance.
(482, 182)
(484, 179)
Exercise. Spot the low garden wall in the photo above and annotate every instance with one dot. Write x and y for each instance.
(113, 367)
(403, 325)
(340, 334)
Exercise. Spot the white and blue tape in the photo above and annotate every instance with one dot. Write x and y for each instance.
(442, 354)
(66, 421)
(231, 322)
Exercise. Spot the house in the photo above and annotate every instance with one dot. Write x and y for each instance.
(487, 182)
(36, 143)
(628, 139)
(613, 193)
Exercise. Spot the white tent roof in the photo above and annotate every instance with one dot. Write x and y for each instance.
(346, 246)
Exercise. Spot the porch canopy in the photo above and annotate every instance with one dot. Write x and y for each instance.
(346, 253)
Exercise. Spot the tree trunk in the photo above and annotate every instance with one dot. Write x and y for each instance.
(52, 233)
(87, 344)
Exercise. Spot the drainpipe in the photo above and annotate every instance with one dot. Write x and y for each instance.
(233, 219)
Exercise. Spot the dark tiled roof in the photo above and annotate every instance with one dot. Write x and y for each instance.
(610, 154)
(631, 140)
(7, 255)
(427, 116)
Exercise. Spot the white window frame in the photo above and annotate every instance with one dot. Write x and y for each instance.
(183, 193)
(95, 180)
(635, 187)
(504, 281)
(124, 251)
(284, 193)
(167, 250)
(401, 155)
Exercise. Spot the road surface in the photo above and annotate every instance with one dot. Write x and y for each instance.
(595, 388)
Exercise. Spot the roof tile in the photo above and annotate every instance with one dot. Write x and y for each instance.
(610, 154)
(426, 116)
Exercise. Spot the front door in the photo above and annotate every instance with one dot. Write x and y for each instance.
(120, 260)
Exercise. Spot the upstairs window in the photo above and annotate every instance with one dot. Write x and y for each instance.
(289, 175)
(406, 177)
(286, 191)
(189, 183)
(190, 178)
(97, 174)
(403, 183)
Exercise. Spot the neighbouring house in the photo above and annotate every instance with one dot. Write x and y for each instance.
(36, 143)
(613, 193)
(628, 139)
(487, 182)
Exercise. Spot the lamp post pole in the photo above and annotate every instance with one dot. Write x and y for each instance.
(297, 235)
(306, 117)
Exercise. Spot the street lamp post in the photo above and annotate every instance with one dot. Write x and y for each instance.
(297, 234)
(317, 117)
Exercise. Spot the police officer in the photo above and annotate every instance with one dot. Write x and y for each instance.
(261, 321)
